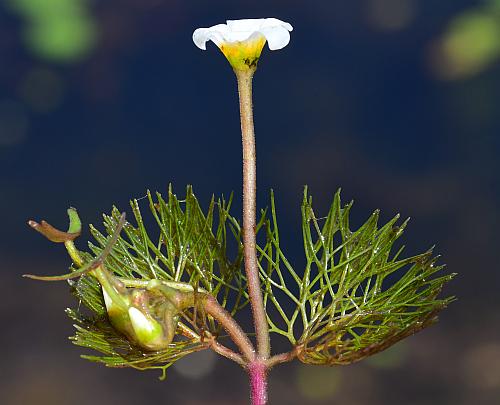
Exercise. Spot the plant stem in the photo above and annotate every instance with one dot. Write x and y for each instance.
(73, 253)
(227, 353)
(282, 358)
(258, 382)
(240, 338)
(244, 78)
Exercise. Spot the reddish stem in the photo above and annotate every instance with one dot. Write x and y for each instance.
(258, 382)
(249, 213)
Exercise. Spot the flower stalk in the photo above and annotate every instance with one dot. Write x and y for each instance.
(242, 42)
(244, 78)
(258, 383)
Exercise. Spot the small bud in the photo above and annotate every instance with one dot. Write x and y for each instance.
(148, 332)
(147, 317)
(56, 235)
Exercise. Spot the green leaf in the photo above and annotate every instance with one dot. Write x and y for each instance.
(97, 334)
(178, 243)
(355, 296)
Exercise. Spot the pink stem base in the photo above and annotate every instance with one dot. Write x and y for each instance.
(258, 383)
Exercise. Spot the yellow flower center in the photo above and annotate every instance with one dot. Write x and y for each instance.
(244, 55)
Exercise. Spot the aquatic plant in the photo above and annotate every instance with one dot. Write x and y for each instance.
(157, 295)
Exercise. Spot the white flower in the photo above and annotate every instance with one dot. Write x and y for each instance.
(276, 32)
(242, 41)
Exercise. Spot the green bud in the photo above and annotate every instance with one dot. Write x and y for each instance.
(148, 314)
(148, 317)
(148, 333)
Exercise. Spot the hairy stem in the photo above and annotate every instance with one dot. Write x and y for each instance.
(240, 338)
(258, 382)
(249, 212)
(227, 353)
(212, 343)
(282, 358)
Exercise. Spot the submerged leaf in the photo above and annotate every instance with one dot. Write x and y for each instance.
(116, 351)
(355, 297)
(179, 246)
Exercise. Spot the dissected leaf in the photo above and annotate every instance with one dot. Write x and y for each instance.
(177, 243)
(355, 297)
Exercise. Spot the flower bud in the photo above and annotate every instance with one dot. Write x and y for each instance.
(147, 318)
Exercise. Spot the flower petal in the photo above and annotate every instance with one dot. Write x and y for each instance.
(140, 322)
(250, 24)
(277, 37)
(274, 22)
(215, 34)
(275, 31)
(107, 300)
